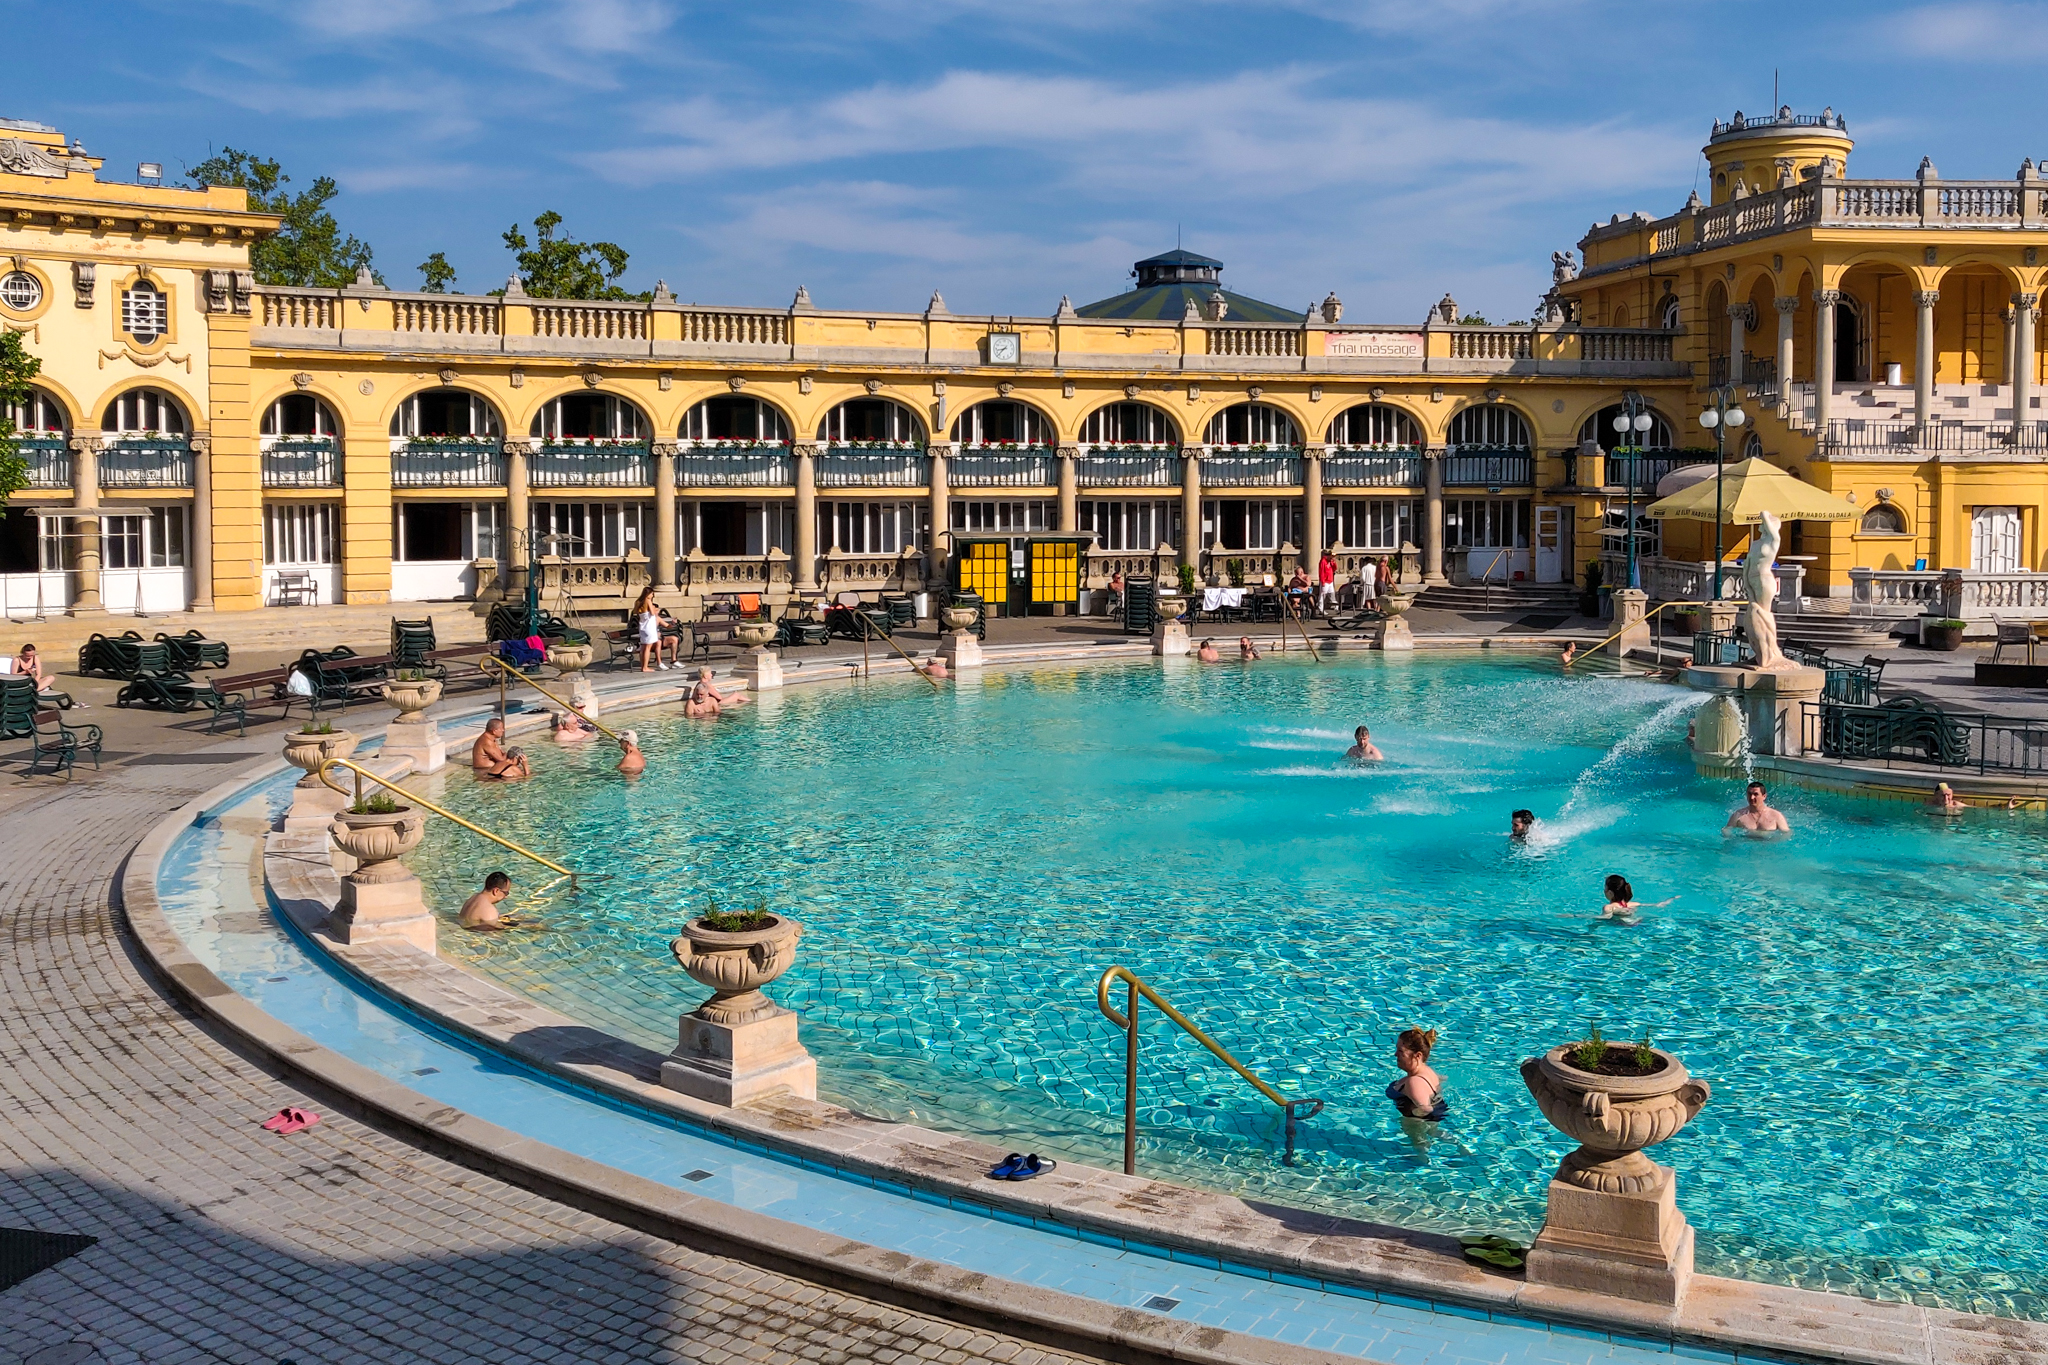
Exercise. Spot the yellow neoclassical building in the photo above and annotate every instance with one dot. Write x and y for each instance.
(199, 439)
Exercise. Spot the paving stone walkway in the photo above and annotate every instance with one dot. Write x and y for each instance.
(121, 1118)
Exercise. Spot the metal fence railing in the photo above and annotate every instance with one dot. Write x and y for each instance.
(1908, 730)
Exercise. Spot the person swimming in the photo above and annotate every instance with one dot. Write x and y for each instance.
(1419, 1093)
(1364, 751)
(1622, 906)
(1519, 825)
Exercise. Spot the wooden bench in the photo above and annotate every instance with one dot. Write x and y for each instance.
(338, 675)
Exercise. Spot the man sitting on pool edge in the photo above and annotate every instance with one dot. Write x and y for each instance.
(1756, 817)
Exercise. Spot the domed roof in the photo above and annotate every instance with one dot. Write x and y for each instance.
(1168, 282)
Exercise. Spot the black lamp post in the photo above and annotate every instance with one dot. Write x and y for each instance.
(1727, 412)
(1632, 422)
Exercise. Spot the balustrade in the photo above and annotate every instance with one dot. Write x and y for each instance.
(1124, 467)
(153, 463)
(565, 465)
(1372, 467)
(872, 467)
(1130, 563)
(1645, 471)
(301, 462)
(1865, 436)
(1468, 468)
(592, 579)
(1624, 345)
(1901, 591)
(1031, 467)
(1254, 341)
(704, 573)
(299, 310)
(1971, 594)
(1223, 467)
(48, 459)
(765, 464)
(849, 572)
(590, 322)
(450, 316)
(447, 462)
(1491, 343)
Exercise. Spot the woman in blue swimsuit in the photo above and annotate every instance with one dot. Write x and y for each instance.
(1419, 1094)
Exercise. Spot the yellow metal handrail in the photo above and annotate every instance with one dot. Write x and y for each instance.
(1128, 1021)
(506, 670)
(1631, 626)
(1486, 579)
(416, 799)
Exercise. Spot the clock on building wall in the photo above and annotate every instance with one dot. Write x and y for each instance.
(1005, 348)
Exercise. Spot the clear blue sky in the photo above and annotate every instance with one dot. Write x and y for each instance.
(1008, 153)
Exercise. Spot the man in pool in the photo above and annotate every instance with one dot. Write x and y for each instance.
(1207, 653)
(481, 910)
(1365, 751)
(491, 758)
(1757, 817)
(1246, 650)
(1519, 825)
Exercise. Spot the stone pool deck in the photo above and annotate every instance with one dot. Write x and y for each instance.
(1725, 1318)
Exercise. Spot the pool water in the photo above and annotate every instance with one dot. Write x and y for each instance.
(967, 863)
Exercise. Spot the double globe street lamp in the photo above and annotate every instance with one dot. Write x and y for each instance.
(1727, 412)
(1632, 423)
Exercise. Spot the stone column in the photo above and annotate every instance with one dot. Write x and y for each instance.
(1312, 507)
(85, 489)
(518, 521)
(807, 517)
(1739, 315)
(663, 569)
(2007, 316)
(199, 539)
(942, 510)
(1191, 507)
(1824, 301)
(1631, 605)
(1923, 354)
(1070, 491)
(1788, 313)
(1433, 519)
(2022, 358)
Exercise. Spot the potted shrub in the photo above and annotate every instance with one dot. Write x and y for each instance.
(1687, 620)
(735, 955)
(411, 692)
(1187, 580)
(1613, 1099)
(312, 744)
(377, 831)
(1945, 633)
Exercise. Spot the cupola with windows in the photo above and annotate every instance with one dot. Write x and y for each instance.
(1169, 282)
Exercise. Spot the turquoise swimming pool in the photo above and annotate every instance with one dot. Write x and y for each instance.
(968, 862)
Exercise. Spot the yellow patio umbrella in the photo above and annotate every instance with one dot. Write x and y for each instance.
(1747, 491)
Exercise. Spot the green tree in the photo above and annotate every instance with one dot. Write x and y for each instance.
(1474, 320)
(438, 274)
(310, 249)
(564, 268)
(17, 367)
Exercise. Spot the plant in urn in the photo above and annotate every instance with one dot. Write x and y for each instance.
(313, 801)
(381, 899)
(738, 1045)
(1613, 1225)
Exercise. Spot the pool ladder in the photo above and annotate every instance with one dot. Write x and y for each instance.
(1128, 1021)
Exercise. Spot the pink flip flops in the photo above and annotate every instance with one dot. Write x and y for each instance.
(290, 1120)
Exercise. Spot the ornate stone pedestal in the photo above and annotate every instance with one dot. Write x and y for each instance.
(415, 734)
(570, 661)
(959, 648)
(1631, 605)
(739, 1045)
(314, 803)
(759, 665)
(381, 899)
(1169, 631)
(1394, 633)
(1774, 706)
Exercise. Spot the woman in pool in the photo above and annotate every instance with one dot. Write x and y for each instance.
(1419, 1094)
(1622, 906)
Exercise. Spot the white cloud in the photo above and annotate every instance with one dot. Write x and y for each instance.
(1977, 33)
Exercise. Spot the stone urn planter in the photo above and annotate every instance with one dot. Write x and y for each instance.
(1611, 1223)
(1172, 608)
(735, 965)
(308, 751)
(569, 659)
(412, 696)
(1687, 622)
(1395, 603)
(739, 1045)
(1613, 1118)
(959, 618)
(756, 634)
(1943, 635)
(381, 898)
(378, 841)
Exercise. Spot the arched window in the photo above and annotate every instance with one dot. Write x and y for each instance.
(1883, 519)
(589, 417)
(1620, 315)
(299, 414)
(145, 314)
(1125, 424)
(1252, 424)
(1374, 424)
(1000, 421)
(1600, 427)
(37, 415)
(1495, 426)
(872, 419)
(1668, 314)
(734, 419)
(145, 410)
(446, 412)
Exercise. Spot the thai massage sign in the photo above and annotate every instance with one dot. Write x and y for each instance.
(1373, 345)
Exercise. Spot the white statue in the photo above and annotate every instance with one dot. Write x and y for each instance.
(1760, 585)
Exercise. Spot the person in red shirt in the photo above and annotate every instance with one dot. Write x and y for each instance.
(1326, 583)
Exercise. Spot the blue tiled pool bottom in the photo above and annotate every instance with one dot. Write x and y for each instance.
(967, 862)
(213, 901)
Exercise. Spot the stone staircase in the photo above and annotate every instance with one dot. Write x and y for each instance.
(1510, 599)
(1846, 635)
